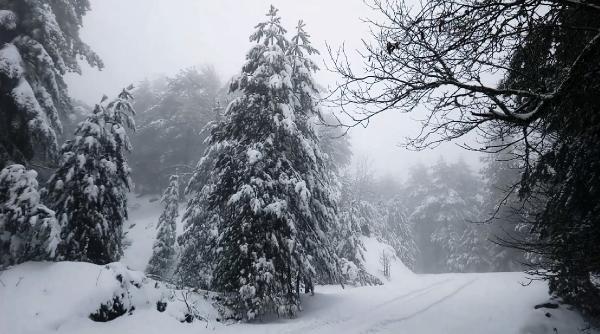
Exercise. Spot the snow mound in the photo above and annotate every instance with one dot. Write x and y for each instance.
(42, 297)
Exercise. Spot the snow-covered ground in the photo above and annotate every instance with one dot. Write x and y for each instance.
(58, 298)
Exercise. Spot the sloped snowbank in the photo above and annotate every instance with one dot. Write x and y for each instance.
(374, 249)
(141, 231)
(43, 297)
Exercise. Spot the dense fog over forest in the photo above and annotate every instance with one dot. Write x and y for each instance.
(214, 33)
(281, 166)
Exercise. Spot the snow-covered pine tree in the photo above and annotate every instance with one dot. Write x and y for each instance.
(349, 246)
(28, 229)
(39, 43)
(352, 222)
(503, 208)
(471, 252)
(307, 117)
(265, 202)
(303, 86)
(448, 202)
(398, 233)
(347, 238)
(88, 190)
(163, 255)
(357, 215)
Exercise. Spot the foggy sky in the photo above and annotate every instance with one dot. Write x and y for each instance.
(144, 38)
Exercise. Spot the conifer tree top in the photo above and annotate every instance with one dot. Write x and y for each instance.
(271, 32)
(301, 42)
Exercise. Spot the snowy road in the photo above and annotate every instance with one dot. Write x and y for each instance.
(372, 317)
(422, 304)
(451, 303)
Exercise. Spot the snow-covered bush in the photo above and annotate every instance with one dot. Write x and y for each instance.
(132, 290)
(43, 297)
(356, 275)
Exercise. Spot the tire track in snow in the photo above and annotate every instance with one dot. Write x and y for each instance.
(356, 315)
(416, 292)
(381, 325)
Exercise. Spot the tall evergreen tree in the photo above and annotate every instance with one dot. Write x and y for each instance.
(163, 255)
(39, 44)
(267, 199)
(88, 190)
(28, 229)
(307, 116)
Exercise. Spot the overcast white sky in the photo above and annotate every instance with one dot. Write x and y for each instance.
(142, 38)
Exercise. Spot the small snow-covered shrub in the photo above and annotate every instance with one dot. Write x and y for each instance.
(367, 279)
(125, 296)
(110, 311)
(356, 276)
(350, 271)
(161, 306)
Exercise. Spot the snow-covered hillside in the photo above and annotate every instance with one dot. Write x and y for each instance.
(59, 297)
(141, 230)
